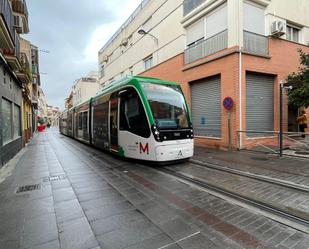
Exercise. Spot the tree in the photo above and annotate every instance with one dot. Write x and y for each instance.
(299, 94)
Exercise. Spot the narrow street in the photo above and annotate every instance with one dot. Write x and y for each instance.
(64, 194)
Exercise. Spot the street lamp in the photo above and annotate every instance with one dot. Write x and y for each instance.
(143, 32)
(281, 87)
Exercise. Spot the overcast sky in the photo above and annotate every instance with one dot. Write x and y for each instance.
(73, 31)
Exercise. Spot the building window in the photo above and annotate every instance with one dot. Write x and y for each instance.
(102, 71)
(195, 33)
(214, 23)
(254, 18)
(6, 121)
(16, 121)
(148, 62)
(292, 33)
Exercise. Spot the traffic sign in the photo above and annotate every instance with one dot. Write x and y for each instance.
(228, 103)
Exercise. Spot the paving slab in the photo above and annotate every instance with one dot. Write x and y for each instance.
(90, 199)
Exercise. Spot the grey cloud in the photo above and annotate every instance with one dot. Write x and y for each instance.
(64, 27)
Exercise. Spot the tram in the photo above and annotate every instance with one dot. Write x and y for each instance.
(136, 117)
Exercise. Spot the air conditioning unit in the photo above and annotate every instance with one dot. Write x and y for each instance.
(278, 28)
(124, 42)
(105, 58)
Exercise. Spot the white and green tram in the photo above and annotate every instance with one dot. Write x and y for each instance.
(135, 117)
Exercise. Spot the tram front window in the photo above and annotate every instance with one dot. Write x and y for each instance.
(168, 106)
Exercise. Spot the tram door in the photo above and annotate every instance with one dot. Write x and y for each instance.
(113, 123)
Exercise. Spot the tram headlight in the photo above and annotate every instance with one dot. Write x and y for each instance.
(156, 133)
(191, 133)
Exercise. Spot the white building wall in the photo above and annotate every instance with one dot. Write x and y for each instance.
(294, 12)
(84, 91)
(164, 24)
(165, 21)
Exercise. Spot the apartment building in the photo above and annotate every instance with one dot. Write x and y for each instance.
(36, 83)
(27, 108)
(85, 88)
(68, 102)
(215, 49)
(42, 105)
(53, 114)
(13, 76)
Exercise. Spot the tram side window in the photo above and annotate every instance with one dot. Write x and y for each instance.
(84, 120)
(132, 114)
(80, 121)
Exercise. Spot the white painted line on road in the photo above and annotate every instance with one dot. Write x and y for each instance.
(187, 237)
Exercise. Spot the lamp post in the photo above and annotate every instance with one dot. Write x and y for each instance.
(143, 32)
(281, 87)
(280, 118)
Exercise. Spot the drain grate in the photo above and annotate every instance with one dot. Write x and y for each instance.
(53, 178)
(27, 188)
(260, 158)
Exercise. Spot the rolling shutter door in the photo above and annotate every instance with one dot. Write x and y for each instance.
(206, 107)
(259, 103)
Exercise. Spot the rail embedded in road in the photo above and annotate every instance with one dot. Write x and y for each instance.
(298, 221)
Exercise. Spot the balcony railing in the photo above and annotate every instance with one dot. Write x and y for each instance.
(189, 5)
(34, 69)
(24, 61)
(255, 43)
(20, 6)
(6, 12)
(17, 45)
(206, 47)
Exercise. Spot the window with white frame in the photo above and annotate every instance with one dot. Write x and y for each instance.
(208, 26)
(292, 33)
(148, 62)
(254, 18)
(195, 33)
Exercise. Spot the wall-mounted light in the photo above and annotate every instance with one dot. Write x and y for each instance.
(143, 32)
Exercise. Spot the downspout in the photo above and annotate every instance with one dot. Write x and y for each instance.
(240, 98)
(240, 75)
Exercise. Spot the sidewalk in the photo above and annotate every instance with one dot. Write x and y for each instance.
(64, 194)
(286, 169)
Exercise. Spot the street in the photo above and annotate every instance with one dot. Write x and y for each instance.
(65, 194)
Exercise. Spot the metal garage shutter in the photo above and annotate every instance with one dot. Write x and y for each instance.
(206, 107)
(259, 103)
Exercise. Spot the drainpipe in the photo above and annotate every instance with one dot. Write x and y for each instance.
(240, 73)
(240, 98)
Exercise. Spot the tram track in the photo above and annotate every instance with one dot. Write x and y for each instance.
(255, 176)
(293, 220)
(304, 223)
